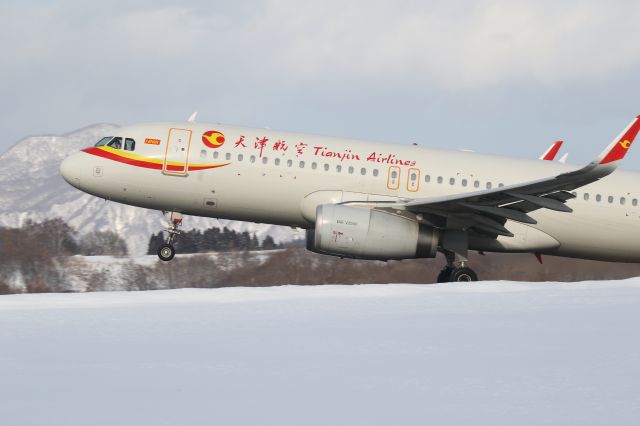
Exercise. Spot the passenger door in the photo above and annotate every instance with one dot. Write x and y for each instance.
(177, 152)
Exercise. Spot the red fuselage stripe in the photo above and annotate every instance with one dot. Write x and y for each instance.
(141, 163)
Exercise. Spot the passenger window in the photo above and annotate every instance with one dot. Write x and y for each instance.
(363, 171)
(464, 182)
(215, 154)
(326, 167)
(115, 143)
(476, 184)
(586, 196)
(427, 178)
(500, 185)
(240, 157)
(203, 152)
(302, 164)
(623, 201)
(350, 170)
(598, 198)
(375, 172)
(489, 185)
(338, 168)
(439, 179)
(452, 181)
(130, 145)
(289, 163)
(252, 158)
(265, 160)
(277, 161)
(227, 156)
(610, 199)
(314, 166)
(634, 203)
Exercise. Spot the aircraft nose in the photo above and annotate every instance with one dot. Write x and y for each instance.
(69, 169)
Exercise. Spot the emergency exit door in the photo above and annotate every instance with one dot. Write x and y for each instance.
(176, 156)
(393, 178)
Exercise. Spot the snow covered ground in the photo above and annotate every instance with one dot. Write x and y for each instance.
(482, 354)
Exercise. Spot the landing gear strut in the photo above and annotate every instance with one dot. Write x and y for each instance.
(456, 270)
(166, 252)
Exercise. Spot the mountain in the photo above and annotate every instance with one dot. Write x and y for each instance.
(31, 188)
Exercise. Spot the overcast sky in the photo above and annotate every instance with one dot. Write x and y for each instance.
(498, 76)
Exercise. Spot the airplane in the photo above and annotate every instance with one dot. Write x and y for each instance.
(366, 200)
(552, 151)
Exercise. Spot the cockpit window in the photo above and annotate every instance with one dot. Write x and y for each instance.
(115, 143)
(104, 141)
(129, 144)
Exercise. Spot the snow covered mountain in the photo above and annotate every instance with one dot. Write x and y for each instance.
(31, 188)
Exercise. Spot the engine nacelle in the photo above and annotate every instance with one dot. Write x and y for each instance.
(366, 233)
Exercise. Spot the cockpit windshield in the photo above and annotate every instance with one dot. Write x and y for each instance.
(116, 142)
(104, 141)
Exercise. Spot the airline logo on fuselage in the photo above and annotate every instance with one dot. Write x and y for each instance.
(213, 139)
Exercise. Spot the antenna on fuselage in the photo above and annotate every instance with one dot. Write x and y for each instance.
(192, 117)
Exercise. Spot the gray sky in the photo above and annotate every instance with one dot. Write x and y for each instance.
(499, 76)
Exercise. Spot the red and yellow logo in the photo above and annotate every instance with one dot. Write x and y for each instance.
(213, 139)
(625, 144)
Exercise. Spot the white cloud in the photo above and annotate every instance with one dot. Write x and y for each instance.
(78, 62)
(489, 43)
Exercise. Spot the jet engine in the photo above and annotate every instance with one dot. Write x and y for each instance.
(365, 233)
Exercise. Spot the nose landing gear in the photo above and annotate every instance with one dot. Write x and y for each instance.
(166, 252)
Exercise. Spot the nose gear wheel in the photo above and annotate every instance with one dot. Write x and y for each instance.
(166, 252)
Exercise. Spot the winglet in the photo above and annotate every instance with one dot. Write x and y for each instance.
(551, 153)
(620, 145)
(192, 117)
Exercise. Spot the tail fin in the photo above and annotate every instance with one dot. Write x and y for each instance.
(551, 153)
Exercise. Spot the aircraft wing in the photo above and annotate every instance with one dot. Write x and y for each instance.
(488, 210)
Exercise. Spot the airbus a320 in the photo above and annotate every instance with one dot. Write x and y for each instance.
(367, 200)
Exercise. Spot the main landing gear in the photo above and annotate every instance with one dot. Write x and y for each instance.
(166, 252)
(456, 271)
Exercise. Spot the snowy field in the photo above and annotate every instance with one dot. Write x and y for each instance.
(481, 354)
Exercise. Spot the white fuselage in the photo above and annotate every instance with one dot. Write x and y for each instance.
(278, 177)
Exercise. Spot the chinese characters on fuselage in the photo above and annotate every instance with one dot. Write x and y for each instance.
(263, 144)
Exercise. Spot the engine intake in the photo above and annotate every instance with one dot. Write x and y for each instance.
(365, 233)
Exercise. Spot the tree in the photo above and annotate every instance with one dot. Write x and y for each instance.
(269, 243)
(102, 243)
(155, 242)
